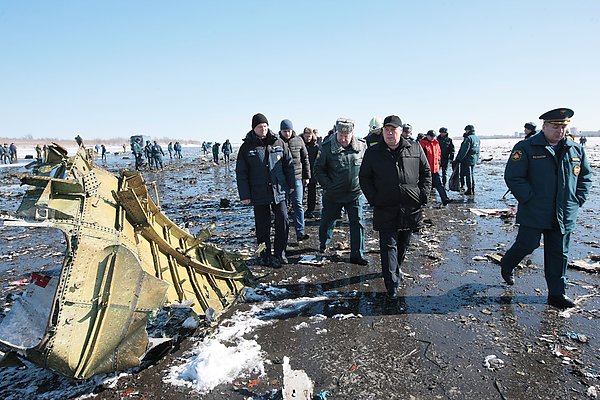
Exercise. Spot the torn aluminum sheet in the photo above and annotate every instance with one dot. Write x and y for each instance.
(124, 260)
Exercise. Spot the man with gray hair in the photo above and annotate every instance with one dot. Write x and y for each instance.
(336, 167)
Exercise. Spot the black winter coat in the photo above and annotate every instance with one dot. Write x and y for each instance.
(299, 156)
(447, 148)
(264, 169)
(396, 184)
(312, 148)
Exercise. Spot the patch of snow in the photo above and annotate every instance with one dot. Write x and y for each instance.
(228, 355)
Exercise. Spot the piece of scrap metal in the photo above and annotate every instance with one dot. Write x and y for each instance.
(124, 261)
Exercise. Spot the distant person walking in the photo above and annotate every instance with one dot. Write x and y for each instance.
(79, 141)
(136, 149)
(582, 140)
(227, 149)
(205, 148)
(157, 155)
(38, 152)
(13, 153)
(4, 153)
(103, 153)
(550, 177)
(215, 152)
(148, 154)
(467, 157)
(170, 150)
(177, 148)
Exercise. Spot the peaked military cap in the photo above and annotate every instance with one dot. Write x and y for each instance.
(559, 116)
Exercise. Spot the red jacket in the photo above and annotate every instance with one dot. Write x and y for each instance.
(433, 152)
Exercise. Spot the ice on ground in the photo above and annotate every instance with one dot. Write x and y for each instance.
(228, 354)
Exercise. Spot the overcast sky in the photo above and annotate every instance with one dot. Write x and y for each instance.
(200, 70)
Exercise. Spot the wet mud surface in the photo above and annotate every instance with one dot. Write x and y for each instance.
(454, 310)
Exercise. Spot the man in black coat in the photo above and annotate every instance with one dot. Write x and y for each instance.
(265, 175)
(447, 148)
(396, 180)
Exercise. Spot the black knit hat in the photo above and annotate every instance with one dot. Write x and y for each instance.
(469, 128)
(443, 130)
(531, 126)
(258, 119)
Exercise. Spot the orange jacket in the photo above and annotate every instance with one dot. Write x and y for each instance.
(433, 152)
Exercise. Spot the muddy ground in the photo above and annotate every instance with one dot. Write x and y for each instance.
(454, 311)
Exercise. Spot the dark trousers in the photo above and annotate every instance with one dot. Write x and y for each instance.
(138, 161)
(437, 184)
(392, 250)
(330, 212)
(262, 222)
(466, 173)
(311, 195)
(556, 255)
(444, 169)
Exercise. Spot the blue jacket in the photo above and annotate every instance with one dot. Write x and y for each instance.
(337, 169)
(468, 154)
(264, 169)
(549, 186)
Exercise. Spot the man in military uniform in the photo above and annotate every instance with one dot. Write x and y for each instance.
(136, 149)
(337, 166)
(550, 177)
(467, 157)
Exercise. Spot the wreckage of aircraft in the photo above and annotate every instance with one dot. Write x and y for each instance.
(124, 261)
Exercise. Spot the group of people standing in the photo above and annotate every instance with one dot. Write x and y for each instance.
(174, 148)
(227, 149)
(396, 173)
(8, 154)
(152, 152)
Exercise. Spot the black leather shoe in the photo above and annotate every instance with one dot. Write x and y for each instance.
(358, 260)
(391, 296)
(561, 301)
(508, 276)
(302, 237)
(275, 263)
(264, 260)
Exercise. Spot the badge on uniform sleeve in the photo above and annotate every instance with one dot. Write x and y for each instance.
(516, 155)
(576, 170)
